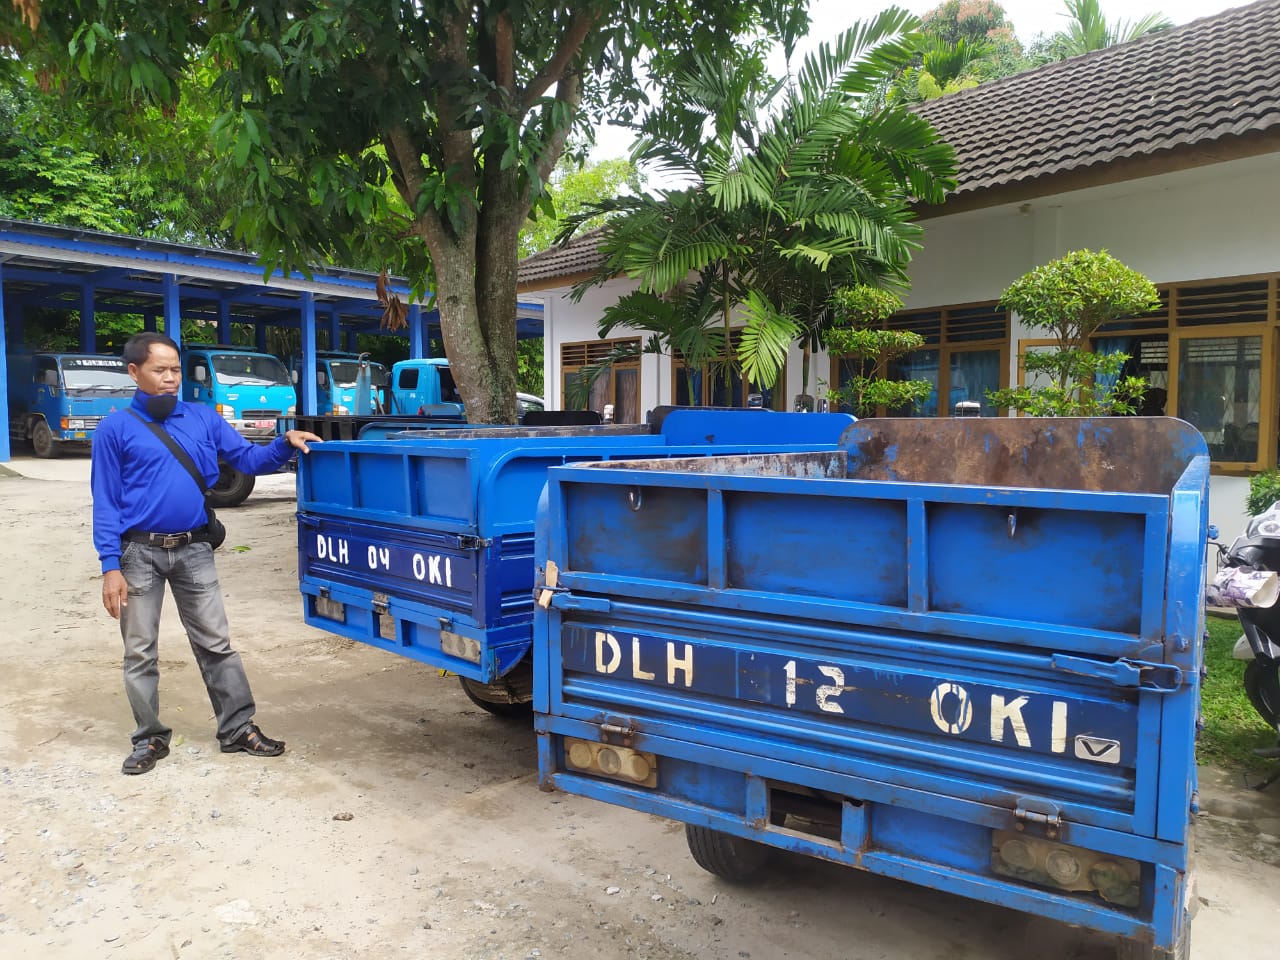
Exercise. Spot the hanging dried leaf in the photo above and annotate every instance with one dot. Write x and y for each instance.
(30, 11)
(394, 311)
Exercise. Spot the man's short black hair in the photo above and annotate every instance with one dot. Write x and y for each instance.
(138, 347)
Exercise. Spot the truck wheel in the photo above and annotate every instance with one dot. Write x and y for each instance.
(498, 698)
(42, 441)
(232, 487)
(1262, 687)
(728, 857)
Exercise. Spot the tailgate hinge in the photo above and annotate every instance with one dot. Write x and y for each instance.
(380, 601)
(1040, 813)
(1155, 677)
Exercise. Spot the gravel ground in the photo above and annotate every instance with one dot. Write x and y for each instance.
(403, 821)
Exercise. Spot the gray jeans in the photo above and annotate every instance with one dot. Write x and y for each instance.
(193, 580)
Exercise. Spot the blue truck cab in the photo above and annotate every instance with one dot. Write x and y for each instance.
(424, 386)
(60, 398)
(248, 388)
(337, 377)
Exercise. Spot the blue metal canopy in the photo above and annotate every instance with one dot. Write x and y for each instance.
(62, 268)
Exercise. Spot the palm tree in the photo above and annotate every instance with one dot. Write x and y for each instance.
(1088, 29)
(796, 192)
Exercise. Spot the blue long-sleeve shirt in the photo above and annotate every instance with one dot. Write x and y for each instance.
(138, 484)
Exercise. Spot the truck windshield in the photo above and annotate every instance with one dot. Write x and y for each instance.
(234, 368)
(107, 375)
(344, 373)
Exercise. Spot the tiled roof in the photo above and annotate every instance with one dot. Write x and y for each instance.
(1210, 80)
(578, 256)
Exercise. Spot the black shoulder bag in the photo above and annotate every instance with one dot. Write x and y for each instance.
(215, 532)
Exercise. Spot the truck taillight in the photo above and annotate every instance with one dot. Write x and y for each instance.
(607, 760)
(1115, 879)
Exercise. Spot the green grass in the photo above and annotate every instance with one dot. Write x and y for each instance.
(1232, 728)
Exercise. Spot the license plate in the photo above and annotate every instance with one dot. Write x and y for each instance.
(331, 609)
(448, 570)
(907, 697)
(261, 424)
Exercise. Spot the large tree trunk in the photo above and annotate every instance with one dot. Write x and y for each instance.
(475, 252)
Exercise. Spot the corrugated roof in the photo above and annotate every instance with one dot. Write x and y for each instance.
(1211, 81)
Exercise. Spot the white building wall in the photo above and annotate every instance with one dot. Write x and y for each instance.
(1216, 221)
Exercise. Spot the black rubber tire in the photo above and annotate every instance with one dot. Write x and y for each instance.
(493, 698)
(42, 442)
(728, 857)
(232, 487)
(1262, 687)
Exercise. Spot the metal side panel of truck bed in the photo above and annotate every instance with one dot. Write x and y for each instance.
(967, 656)
(423, 545)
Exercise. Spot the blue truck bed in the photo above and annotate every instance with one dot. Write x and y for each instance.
(966, 654)
(423, 545)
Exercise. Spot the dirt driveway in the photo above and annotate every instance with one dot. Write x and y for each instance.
(404, 822)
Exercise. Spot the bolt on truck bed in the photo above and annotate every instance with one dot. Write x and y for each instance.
(966, 654)
(423, 545)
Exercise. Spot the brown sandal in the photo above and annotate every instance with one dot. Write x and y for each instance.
(255, 742)
(145, 754)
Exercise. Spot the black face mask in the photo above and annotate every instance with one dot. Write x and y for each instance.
(160, 406)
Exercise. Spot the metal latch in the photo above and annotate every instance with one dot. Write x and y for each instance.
(550, 594)
(473, 543)
(380, 601)
(622, 730)
(543, 593)
(1040, 813)
(1155, 677)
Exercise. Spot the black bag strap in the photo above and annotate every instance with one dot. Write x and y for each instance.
(182, 456)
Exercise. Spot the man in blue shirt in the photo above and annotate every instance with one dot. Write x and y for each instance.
(150, 528)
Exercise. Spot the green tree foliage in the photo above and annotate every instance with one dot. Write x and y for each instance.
(418, 134)
(572, 188)
(962, 44)
(971, 20)
(530, 372)
(151, 181)
(796, 190)
(1089, 29)
(47, 182)
(1069, 299)
(859, 333)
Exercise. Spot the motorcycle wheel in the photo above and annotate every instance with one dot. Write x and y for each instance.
(1262, 687)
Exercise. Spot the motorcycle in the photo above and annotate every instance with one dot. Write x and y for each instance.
(1249, 580)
